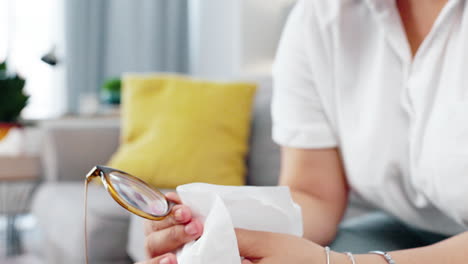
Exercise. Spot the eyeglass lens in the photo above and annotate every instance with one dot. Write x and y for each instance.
(139, 195)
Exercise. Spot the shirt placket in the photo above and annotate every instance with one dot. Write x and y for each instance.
(412, 68)
(388, 17)
(390, 20)
(436, 39)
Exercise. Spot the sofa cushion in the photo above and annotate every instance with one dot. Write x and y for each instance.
(71, 147)
(136, 239)
(178, 130)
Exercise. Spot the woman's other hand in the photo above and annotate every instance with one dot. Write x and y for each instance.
(274, 248)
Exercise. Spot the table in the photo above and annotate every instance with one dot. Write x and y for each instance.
(19, 177)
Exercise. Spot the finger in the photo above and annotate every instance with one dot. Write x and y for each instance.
(172, 238)
(164, 259)
(255, 244)
(246, 261)
(174, 197)
(180, 214)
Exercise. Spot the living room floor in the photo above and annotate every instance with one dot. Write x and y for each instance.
(30, 237)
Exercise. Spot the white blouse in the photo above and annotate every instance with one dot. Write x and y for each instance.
(345, 77)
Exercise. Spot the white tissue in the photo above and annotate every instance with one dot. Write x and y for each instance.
(223, 208)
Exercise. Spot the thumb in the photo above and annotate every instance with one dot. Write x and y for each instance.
(246, 261)
(255, 244)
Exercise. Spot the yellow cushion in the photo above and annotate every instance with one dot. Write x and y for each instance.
(177, 130)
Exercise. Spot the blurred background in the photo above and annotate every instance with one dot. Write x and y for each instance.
(93, 41)
(65, 59)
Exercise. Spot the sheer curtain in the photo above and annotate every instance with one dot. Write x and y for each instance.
(108, 37)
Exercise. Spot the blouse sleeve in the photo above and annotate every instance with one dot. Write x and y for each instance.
(299, 119)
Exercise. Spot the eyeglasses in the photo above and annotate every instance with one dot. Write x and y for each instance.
(132, 193)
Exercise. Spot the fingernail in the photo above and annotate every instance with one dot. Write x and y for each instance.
(191, 229)
(178, 215)
(165, 260)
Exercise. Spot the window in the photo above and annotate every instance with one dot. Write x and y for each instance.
(3, 29)
(28, 30)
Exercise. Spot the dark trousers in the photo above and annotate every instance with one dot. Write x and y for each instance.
(379, 231)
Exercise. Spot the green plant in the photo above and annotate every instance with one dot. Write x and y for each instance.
(111, 91)
(12, 97)
(112, 85)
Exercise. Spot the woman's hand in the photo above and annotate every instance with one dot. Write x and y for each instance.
(269, 248)
(274, 248)
(171, 233)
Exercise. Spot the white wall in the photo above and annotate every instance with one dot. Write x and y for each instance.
(234, 37)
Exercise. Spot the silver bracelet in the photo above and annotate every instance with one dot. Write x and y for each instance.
(387, 256)
(327, 253)
(351, 257)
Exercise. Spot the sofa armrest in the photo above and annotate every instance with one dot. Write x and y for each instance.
(72, 147)
(58, 208)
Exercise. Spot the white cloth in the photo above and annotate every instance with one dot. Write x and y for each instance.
(345, 77)
(223, 208)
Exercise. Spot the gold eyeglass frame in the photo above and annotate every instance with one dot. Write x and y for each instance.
(104, 172)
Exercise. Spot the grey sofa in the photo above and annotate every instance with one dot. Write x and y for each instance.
(72, 147)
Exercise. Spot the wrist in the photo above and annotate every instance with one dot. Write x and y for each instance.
(369, 259)
(339, 258)
(342, 258)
